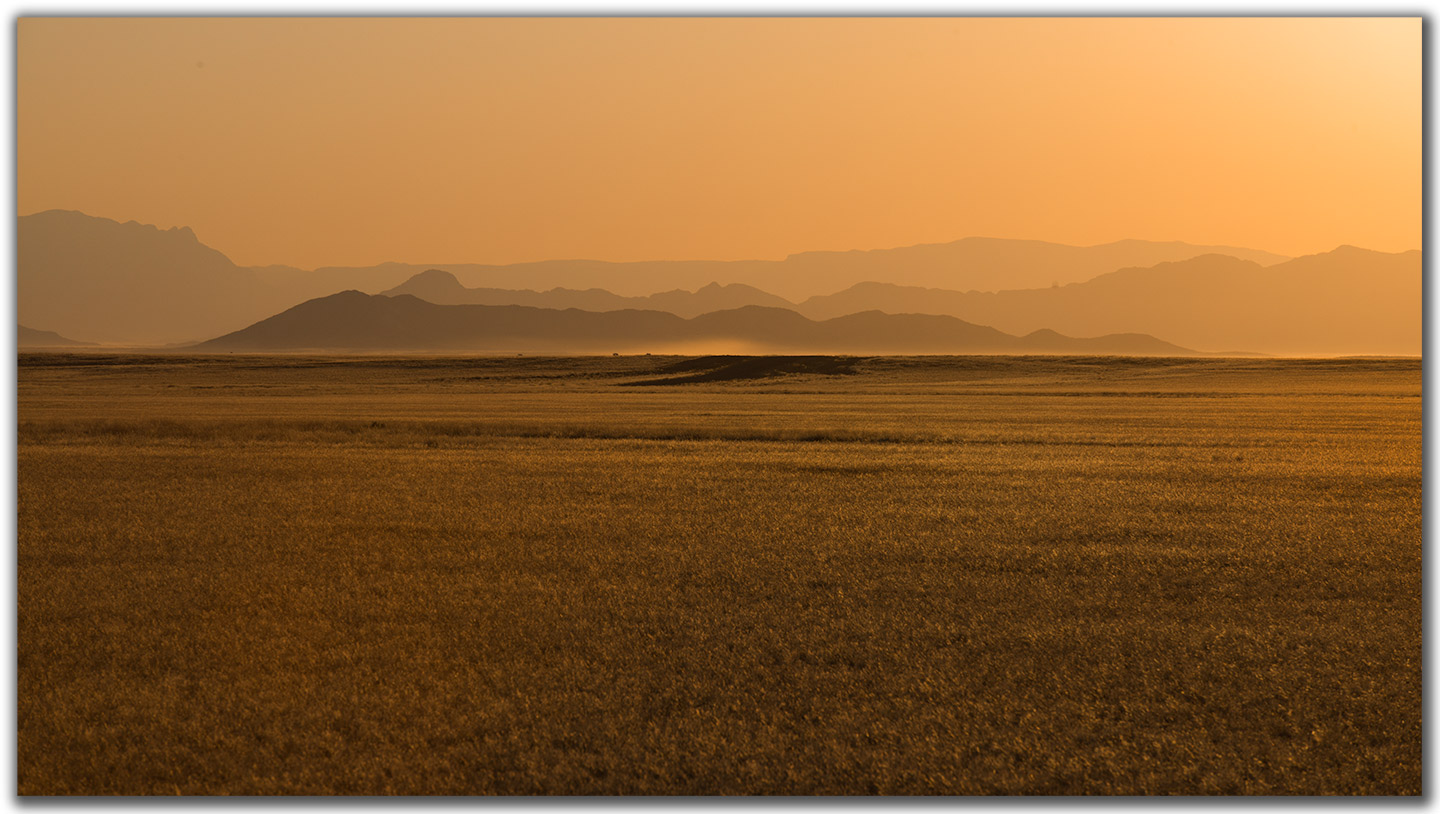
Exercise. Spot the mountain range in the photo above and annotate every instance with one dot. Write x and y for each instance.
(442, 288)
(96, 279)
(969, 264)
(1347, 301)
(354, 321)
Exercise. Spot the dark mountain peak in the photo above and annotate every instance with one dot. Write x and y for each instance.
(433, 285)
(756, 310)
(752, 320)
(1044, 333)
(435, 276)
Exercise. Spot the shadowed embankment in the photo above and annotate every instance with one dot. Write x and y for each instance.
(740, 368)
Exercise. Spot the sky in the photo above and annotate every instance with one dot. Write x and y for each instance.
(312, 142)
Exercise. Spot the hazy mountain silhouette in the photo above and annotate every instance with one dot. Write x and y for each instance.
(441, 288)
(32, 338)
(1348, 301)
(990, 264)
(975, 263)
(712, 297)
(98, 279)
(93, 279)
(352, 320)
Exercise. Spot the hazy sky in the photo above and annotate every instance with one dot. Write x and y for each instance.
(336, 142)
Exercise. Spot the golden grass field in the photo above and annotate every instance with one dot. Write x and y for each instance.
(312, 575)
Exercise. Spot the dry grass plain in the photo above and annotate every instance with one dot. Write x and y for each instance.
(275, 575)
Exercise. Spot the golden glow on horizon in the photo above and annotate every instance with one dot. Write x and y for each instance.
(354, 141)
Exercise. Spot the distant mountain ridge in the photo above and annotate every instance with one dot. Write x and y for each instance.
(441, 288)
(973, 263)
(96, 279)
(1348, 301)
(354, 321)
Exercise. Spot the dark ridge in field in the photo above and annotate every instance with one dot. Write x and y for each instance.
(437, 434)
(739, 368)
(363, 377)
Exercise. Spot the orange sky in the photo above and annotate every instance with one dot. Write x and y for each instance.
(336, 142)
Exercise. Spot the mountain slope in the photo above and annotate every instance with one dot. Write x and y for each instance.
(32, 338)
(1348, 301)
(355, 321)
(98, 279)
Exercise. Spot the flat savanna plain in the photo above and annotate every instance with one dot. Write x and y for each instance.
(257, 575)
